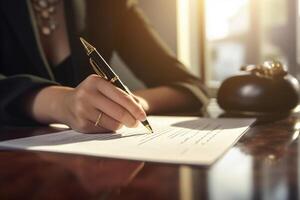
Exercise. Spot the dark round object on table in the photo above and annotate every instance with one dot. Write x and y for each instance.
(250, 93)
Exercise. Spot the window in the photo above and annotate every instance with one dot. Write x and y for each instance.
(240, 32)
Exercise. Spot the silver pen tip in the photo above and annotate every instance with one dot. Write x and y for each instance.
(149, 128)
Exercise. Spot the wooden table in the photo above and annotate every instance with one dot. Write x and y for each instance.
(263, 165)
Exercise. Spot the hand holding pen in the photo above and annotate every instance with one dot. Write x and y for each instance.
(102, 68)
(96, 105)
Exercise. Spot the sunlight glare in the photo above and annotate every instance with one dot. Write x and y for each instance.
(219, 14)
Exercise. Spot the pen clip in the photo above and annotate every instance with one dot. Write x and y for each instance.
(97, 69)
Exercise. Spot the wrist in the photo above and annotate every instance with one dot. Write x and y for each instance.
(59, 109)
(48, 104)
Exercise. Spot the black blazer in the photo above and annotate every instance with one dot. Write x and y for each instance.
(112, 25)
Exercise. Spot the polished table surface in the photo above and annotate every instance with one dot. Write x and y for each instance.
(264, 164)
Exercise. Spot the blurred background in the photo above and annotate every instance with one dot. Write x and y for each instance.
(214, 38)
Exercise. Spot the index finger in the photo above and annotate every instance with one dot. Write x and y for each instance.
(122, 98)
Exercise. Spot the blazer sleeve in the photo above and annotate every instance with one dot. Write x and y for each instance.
(148, 57)
(12, 92)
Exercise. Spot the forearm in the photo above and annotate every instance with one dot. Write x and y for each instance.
(94, 106)
(166, 99)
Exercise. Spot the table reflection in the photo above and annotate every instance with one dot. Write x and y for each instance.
(263, 165)
(44, 175)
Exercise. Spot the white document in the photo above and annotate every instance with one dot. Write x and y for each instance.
(181, 140)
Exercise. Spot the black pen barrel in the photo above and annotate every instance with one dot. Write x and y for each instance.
(120, 85)
(102, 65)
(102, 68)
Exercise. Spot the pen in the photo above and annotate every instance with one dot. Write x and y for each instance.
(102, 68)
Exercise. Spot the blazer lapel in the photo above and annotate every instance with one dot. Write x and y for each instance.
(98, 30)
(24, 30)
(75, 19)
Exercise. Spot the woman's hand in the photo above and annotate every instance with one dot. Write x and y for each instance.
(80, 107)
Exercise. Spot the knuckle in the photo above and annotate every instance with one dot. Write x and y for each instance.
(122, 114)
(102, 83)
(83, 126)
(116, 126)
(92, 78)
(127, 100)
(137, 111)
(79, 109)
(81, 94)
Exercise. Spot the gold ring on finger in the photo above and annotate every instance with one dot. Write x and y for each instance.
(98, 119)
